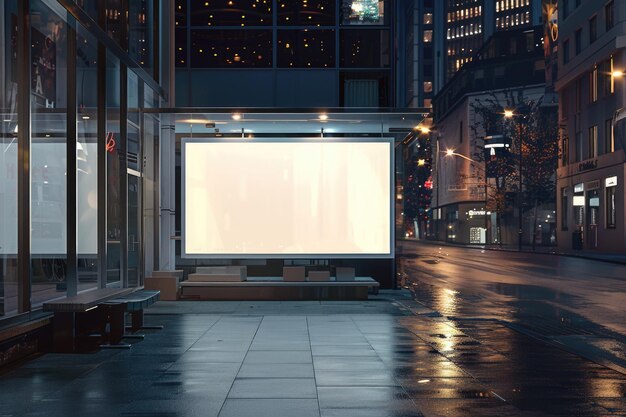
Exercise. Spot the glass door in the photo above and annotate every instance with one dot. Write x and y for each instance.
(135, 277)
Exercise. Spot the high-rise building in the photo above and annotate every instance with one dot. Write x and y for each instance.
(469, 23)
(592, 97)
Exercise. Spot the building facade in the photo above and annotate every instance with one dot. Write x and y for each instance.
(82, 83)
(590, 178)
(465, 206)
(283, 53)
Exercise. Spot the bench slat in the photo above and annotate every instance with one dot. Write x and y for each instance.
(85, 301)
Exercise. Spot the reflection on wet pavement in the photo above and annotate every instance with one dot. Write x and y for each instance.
(524, 322)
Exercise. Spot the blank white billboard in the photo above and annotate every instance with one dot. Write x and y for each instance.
(287, 199)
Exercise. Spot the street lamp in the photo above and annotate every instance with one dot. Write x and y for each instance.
(509, 114)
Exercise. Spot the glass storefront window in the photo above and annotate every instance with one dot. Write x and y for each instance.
(149, 192)
(231, 48)
(231, 13)
(307, 13)
(48, 160)
(114, 145)
(8, 163)
(86, 159)
(306, 48)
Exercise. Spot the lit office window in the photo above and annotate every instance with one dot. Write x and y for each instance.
(428, 86)
(231, 13)
(362, 12)
(226, 48)
(306, 48)
(428, 36)
(428, 18)
(306, 12)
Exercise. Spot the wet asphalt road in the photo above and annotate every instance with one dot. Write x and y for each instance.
(539, 291)
(550, 330)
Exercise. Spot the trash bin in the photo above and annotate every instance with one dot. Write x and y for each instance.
(577, 240)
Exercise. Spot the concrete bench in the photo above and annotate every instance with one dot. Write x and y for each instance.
(78, 317)
(167, 282)
(219, 274)
(275, 288)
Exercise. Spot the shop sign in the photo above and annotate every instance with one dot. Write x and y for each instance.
(610, 182)
(592, 185)
(587, 165)
(579, 188)
(478, 213)
(578, 200)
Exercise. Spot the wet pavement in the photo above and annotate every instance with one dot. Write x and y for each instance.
(473, 334)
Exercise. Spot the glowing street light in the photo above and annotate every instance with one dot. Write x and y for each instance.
(617, 74)
(508, 113)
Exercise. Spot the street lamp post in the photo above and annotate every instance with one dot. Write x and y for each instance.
(509, 114)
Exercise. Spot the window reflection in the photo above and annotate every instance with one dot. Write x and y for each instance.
(86, 159)
(140, 42)
(180, 10)
(114, 182)
(363, 12)
(306, 12)
(181, 48)
(226, 48)
(48, 154)
(306, 48)
(8, 165)
(365, 48)
(231, 13)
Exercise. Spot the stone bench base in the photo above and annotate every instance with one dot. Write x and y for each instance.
(275, 289)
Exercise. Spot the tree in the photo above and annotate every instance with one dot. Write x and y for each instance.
(532, 126)
(417, 191)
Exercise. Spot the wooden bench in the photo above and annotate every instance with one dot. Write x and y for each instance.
(77, 318)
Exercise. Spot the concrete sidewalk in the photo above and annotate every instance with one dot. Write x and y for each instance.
(617, 258)
(389, 356)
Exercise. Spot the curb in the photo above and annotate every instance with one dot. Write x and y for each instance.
(571, 255)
